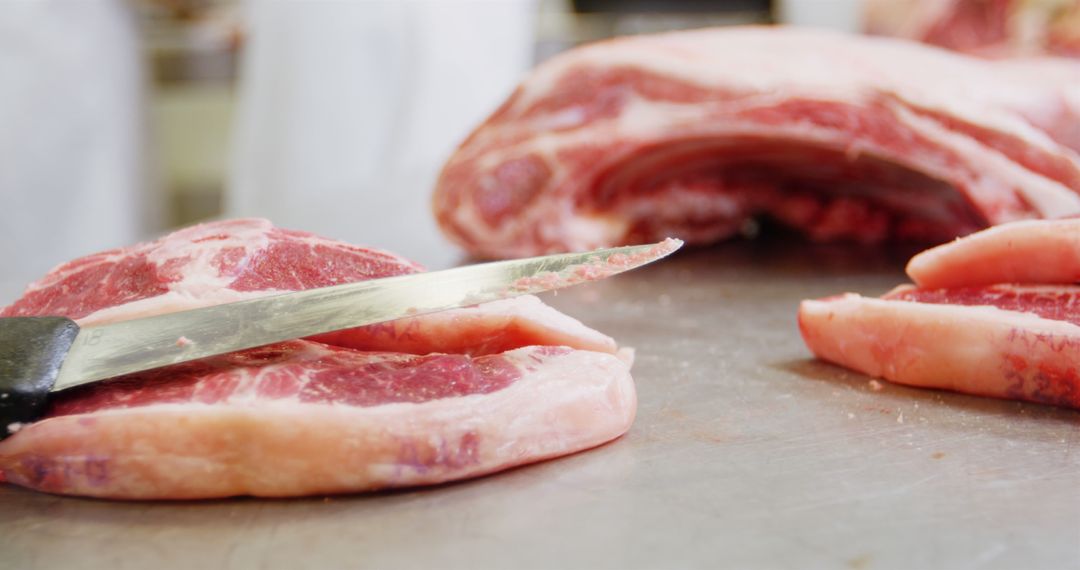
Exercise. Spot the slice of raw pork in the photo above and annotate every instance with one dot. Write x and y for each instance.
(995, 314)
(693, 134)
(417, 401)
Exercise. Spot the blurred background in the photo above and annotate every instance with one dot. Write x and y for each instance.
(126, 118)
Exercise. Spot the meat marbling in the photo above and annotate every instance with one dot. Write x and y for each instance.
(423, 400)
(996, 314)
(694, 133)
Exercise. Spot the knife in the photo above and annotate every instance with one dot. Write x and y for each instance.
(39, 355)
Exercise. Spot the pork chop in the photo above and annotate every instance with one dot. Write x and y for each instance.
(995, 314)
(422, 400)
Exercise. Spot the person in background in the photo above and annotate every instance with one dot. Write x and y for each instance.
(348, 109)
(73, 165)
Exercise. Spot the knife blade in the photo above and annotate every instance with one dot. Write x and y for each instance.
(39, 355)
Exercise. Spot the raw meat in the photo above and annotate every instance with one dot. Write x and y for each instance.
(1019, 338)
(1053, 103)
(1020, 252)
(989, 28)
(423, 400)
(695, 133)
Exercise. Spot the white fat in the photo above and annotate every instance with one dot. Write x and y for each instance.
(170, 302)
(200, 276)
(583, 232)
(1048, 198)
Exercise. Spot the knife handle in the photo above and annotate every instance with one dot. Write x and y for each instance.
(31, 352)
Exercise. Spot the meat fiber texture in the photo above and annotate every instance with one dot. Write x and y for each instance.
(995, 314)
(417, 401)
(694, 134)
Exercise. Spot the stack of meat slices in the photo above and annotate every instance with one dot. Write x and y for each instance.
(417, 401)
(996, 314)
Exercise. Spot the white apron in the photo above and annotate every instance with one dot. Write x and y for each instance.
(348, 109)
(71, 138)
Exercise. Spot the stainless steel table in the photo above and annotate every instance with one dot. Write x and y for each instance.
(746, 453)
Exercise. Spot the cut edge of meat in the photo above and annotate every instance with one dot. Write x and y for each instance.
(702, 207)
(990, 351)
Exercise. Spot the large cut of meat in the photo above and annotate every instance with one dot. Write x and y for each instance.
(988, 28)
(692, 134)
(417, 401)
(996, 314)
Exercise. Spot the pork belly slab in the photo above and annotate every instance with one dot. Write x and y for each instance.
(423, 400)
(695, 134)
(995, 314)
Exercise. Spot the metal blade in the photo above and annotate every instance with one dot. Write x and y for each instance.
(120, 348)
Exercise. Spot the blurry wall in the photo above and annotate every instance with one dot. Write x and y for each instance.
(329, 116)
(192, 49)
(75, 157)
(348, 109)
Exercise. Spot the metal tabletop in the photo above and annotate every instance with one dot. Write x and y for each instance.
(745, 453)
